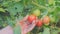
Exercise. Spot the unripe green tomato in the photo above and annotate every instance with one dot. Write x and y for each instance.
(50, 2)
(52, 19)
(36, 12)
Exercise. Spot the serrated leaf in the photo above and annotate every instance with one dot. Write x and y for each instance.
(17, 7)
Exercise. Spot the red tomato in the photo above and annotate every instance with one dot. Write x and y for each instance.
(31, 18)
(46, 20)
(39, 23)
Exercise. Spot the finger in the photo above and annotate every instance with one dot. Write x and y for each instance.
(35, 21)
(23, 22)
(25, 18)
(33, 24)
(30, 26)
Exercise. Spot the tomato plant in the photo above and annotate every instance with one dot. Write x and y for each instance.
(48, 11)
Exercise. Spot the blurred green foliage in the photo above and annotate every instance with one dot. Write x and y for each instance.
(12, 10)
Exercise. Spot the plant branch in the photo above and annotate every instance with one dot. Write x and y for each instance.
(38, 5)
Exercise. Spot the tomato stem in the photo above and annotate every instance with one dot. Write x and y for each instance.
(38, 5)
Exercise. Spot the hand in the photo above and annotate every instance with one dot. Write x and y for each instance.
(25, 26)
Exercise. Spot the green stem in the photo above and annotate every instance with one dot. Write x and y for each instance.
(38, 5)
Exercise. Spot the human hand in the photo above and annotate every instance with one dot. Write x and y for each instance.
(26, 26)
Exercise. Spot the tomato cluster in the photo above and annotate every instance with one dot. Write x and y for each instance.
(39, 22)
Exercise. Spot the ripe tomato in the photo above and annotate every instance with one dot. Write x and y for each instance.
(36, 12)
(46, 20)
(39, 23)
(31, 18)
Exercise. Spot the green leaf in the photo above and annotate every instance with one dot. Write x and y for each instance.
(17, 29)
(16, 0)
(53, 31)
(2, 10)
(11, 22)
(42, 2)
(17, 7)
(5, 3)
(40, 33)
(46, 30)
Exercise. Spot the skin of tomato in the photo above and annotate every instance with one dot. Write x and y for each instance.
(52, 19)
(51, 2)
(46, 20)
(31, 18)
(39, 23)
(36, 12)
